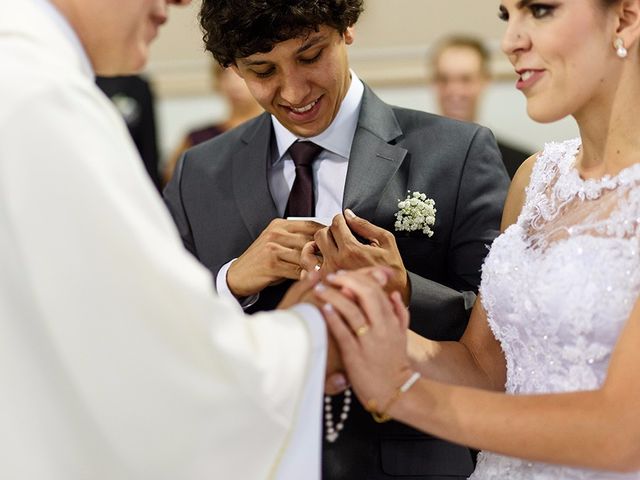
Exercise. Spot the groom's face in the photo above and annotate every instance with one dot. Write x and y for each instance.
(301, 81)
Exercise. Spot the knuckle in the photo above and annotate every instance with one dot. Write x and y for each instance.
(271, 248)
(273, 224)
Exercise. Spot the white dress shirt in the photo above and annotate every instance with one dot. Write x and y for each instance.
(329, 168)
(117, 358)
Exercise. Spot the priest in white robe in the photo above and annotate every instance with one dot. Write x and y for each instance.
(117, 359)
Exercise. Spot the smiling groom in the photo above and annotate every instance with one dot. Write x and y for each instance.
(231, 197)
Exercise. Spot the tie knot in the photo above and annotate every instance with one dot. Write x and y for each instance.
(304, 153)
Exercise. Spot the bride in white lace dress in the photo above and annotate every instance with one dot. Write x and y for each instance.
(558, 321)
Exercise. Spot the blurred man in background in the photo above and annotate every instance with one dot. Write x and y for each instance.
(460, 67)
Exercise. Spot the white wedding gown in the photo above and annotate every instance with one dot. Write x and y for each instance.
(558, 287)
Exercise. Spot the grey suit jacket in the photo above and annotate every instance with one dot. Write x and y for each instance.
(220, 200)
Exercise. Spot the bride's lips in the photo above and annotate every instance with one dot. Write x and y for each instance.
(304, 113)
(528, 77)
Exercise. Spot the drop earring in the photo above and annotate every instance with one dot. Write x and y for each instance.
(619, 46)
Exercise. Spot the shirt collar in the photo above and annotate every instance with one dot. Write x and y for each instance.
(338, 137)
(65, 27)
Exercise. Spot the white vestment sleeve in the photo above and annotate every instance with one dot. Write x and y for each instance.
(117, 359)
(302, 457)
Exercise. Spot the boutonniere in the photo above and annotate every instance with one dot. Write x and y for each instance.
(416, 213)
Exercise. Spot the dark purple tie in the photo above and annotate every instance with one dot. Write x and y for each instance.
(302, 201)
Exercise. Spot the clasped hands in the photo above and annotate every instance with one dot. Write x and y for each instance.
(367, 331)
(324, 262)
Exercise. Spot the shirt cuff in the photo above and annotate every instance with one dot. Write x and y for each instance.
(225, 292)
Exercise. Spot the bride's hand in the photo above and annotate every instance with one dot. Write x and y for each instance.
(371, 331)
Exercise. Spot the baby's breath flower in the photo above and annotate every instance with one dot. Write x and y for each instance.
(416, 213)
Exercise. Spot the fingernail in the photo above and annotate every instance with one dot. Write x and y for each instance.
(320, 288)
(340, 381)
(327, 307)
(380, 277)
(341, 272)
(349, 213)
(331, 277)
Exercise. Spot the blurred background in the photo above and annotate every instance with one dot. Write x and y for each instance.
(391, 53)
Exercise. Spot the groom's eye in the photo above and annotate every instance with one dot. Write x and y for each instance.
(264, 73)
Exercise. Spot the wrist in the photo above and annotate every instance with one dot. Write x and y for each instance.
(236, 286)
(389, 409)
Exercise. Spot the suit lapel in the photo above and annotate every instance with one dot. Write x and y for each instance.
(373, 160)
(250, 178)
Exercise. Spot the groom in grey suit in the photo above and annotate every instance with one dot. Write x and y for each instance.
(229, 196)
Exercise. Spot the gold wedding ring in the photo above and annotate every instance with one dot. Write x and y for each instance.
(362, 330)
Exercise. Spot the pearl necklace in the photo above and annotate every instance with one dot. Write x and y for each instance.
(334, 429)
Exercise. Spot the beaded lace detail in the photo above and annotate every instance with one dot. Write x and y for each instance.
(558, 287)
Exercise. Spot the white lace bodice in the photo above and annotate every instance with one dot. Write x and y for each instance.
(558, 287)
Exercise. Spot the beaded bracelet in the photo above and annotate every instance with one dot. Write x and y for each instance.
(383, 416)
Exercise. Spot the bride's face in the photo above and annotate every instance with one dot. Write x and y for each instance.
(562, 51)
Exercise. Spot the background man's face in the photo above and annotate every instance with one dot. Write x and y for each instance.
(301, 81)
(459, 82)
(117, 33)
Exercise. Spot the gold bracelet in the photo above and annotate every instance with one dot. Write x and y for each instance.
(383, 416)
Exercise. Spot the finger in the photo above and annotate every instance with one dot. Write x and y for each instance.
(305, 227)
(342, 333)
(288, 257)
(286, 269)
(401, 311)
(341, 233)
(369, 295)
(309, 259)
(347, 309)
(335, 383)
(309, 282)
(380, 274)
(376, 235)
(325, 243)
(289, 234)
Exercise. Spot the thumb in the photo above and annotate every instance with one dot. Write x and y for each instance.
(364, 228)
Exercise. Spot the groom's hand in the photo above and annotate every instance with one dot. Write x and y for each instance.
(341, 250)
(274, 256)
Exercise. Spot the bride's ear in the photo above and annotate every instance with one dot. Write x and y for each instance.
(628, 21)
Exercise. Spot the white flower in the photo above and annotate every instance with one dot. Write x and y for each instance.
(416, 213)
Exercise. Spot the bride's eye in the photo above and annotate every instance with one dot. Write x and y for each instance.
(503, 14)
(539, 10)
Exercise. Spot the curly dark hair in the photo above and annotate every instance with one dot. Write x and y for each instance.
(238, 28)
